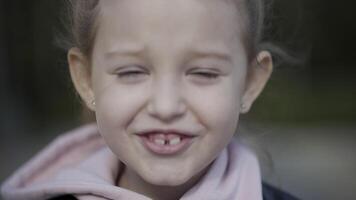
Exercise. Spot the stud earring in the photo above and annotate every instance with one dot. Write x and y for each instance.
(93, 102)
(258, 62)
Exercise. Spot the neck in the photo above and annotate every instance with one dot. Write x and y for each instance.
(132, 181)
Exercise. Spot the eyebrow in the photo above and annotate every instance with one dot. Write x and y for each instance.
(196, 53)
(126, 50)
(210, 53)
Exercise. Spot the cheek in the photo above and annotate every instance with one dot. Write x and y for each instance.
(116, 106)
(218, 108)
(218, 111)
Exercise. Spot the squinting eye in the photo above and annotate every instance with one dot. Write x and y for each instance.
(130, 74)
(207, 75)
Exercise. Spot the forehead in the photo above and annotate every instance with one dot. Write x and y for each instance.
(170, 23)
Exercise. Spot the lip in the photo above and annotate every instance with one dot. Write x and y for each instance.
(187, 138)
(167, 131)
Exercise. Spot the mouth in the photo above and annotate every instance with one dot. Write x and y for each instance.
(166, 142)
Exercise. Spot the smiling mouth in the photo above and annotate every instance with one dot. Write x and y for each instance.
(166, 143)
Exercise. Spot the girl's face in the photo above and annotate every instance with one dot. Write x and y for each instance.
(166, 65)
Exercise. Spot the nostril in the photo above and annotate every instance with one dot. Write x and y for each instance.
(166, 103)
(166, 112)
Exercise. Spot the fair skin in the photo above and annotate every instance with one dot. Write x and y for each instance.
(170, 46)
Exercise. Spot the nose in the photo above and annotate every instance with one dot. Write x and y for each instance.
(166, 102)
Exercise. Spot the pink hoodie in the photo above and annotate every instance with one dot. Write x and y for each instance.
(79, 163)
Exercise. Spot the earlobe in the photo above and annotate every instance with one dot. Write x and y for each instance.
(81, 76)
(258, 75)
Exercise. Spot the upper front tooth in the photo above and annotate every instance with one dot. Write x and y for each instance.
(159, 141)
(174, 141)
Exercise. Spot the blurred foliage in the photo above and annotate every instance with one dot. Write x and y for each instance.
(36, 90)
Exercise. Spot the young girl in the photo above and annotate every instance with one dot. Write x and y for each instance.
(167, 81)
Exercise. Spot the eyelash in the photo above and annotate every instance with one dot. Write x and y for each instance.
(130, 74)
(136, 73)
(207, 75)
(201, 74)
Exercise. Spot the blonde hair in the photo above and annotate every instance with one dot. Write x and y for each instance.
(83, 14)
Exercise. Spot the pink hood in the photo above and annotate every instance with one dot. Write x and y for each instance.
(80, 163)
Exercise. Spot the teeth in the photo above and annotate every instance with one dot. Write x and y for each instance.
(159, 141)
(174, 141)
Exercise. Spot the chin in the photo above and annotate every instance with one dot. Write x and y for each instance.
(167, 180)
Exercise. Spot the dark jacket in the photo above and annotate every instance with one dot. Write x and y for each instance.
(272, 193)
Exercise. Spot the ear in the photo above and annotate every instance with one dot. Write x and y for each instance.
(80, 72)
(258, 74)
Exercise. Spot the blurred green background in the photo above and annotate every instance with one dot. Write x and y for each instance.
(305, 118)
